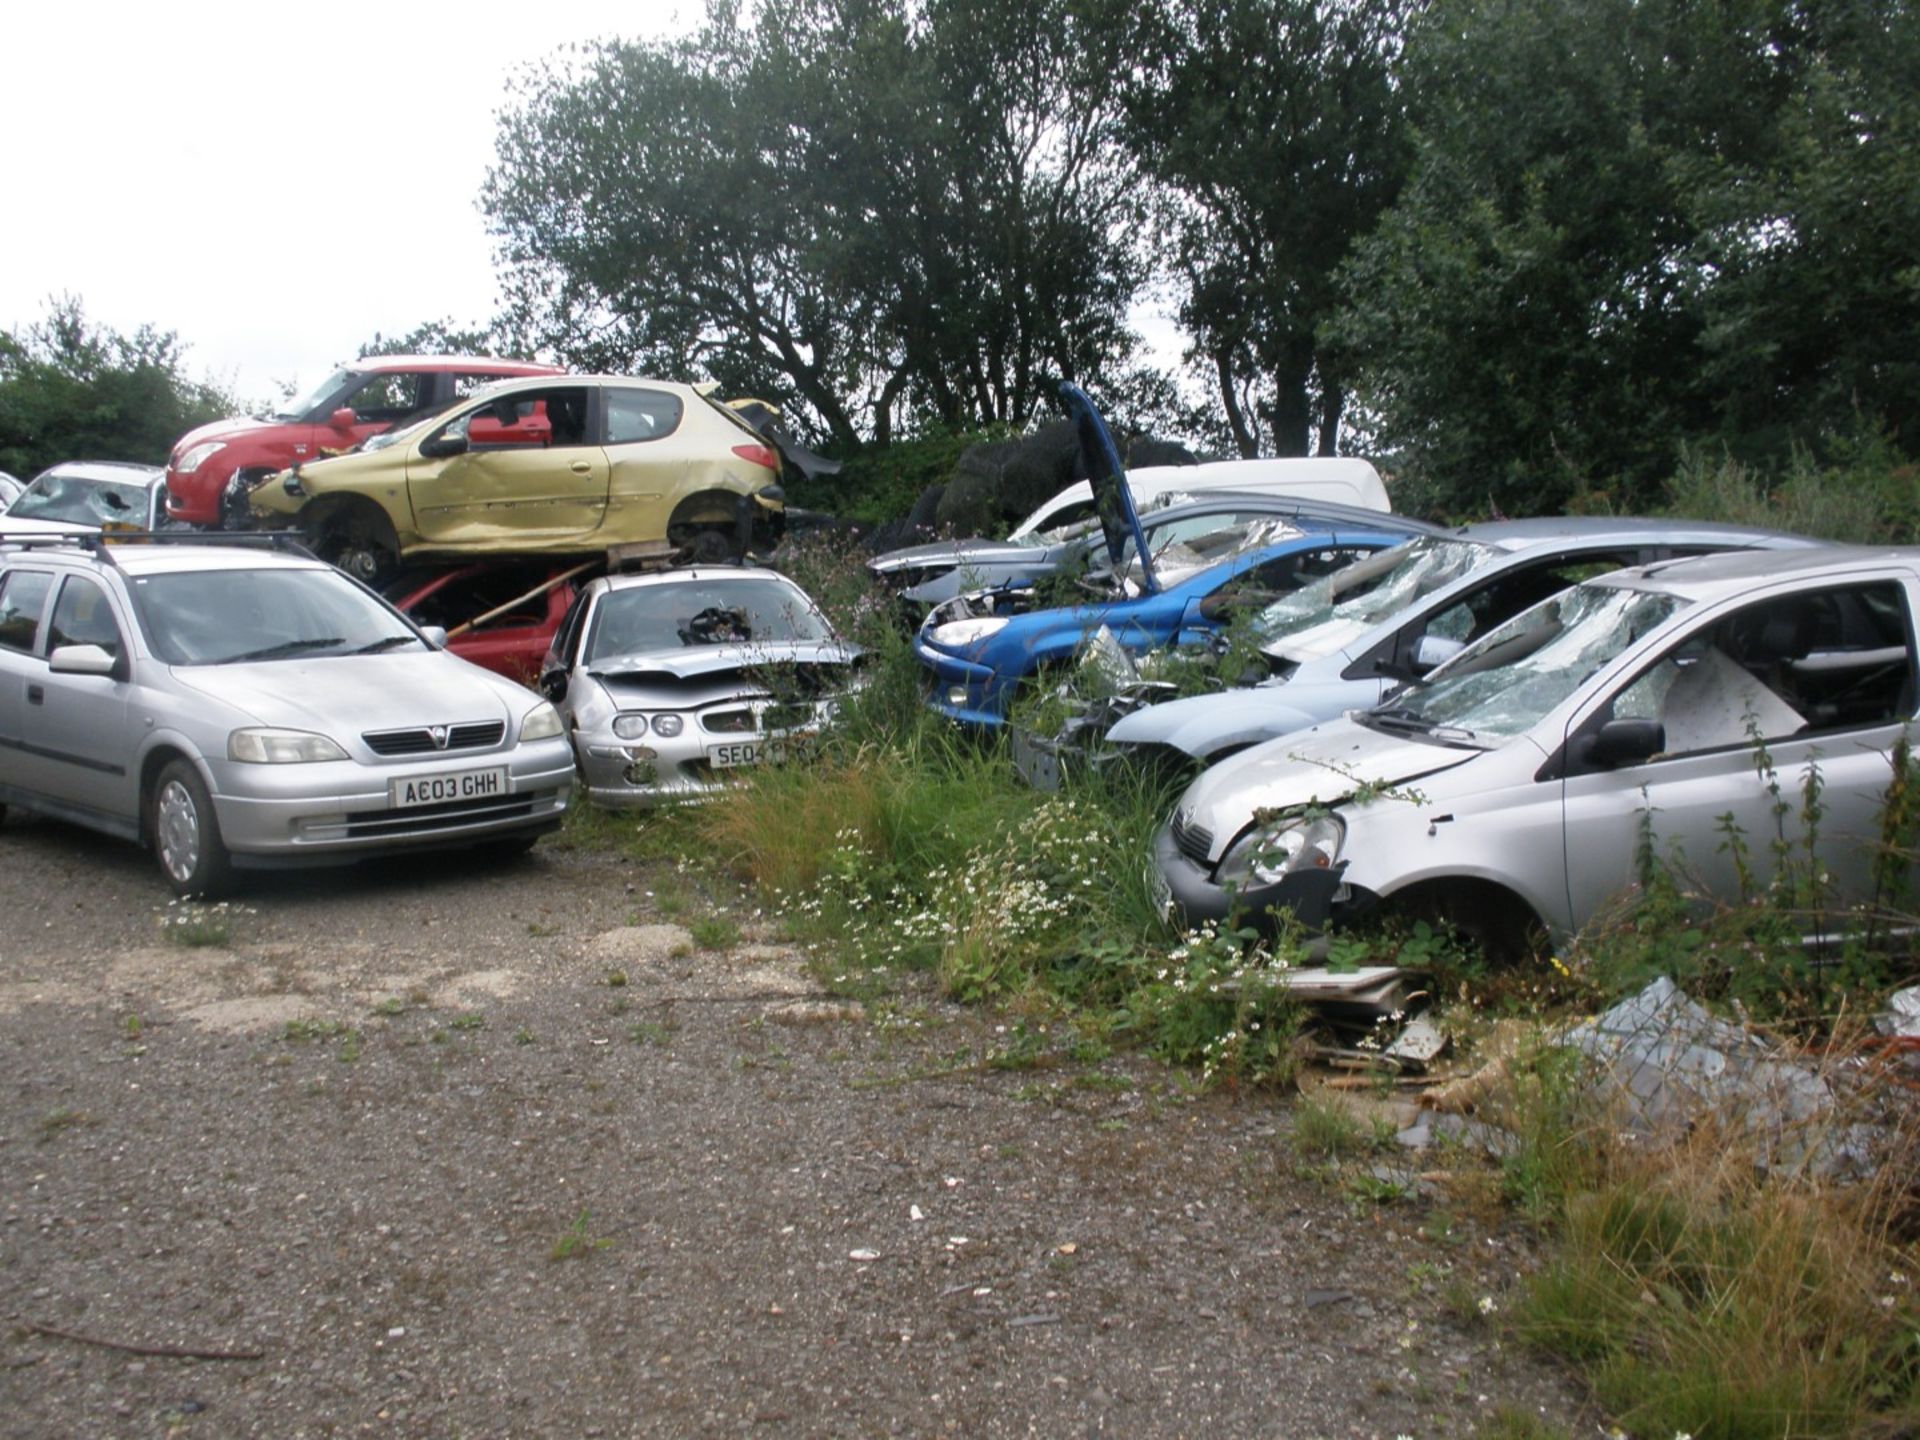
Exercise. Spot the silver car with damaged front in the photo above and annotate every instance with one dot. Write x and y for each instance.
(235, 707)
(668, 682)
(1513, 789)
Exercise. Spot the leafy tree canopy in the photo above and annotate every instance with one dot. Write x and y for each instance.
(72, 389)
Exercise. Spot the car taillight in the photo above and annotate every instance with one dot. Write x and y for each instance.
(758, 455)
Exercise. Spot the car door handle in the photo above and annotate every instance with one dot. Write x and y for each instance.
(581, 467)
(36, 695)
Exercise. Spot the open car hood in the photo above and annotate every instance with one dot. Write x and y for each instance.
(692, 662)
(1112, 499)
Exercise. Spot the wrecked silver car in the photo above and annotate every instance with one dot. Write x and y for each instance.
(668, 681)
(1512, 790)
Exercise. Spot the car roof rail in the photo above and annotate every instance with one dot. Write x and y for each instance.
(89, 540)
(100, 544)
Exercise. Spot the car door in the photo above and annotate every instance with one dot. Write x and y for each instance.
(1802, 692)
(23, 602)
(79, 725)
(539, 485)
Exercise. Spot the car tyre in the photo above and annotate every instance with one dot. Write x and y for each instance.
(186, 834)
(709, 546)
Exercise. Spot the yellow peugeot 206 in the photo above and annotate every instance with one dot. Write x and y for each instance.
(549, 465)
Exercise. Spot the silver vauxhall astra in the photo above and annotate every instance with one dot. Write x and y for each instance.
(231, 706)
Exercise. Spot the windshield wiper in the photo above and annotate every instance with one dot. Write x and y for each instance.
(385, 642)
(1415, 723)
(284, 649)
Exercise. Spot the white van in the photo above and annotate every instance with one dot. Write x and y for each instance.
(1343, 480)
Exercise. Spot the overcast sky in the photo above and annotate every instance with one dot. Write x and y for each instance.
(274, 183)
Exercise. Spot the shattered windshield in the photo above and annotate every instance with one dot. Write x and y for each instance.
(1181, 549)
(1504, 683)
(727, 610)
(83, 502)
(321, 398)
(1370, 590)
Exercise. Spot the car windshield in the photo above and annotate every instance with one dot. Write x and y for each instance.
(319, 399)
(221, 617)
(1508, 680)
(83, 502)
(728, 610)
(1183, 548)
(1368, 591)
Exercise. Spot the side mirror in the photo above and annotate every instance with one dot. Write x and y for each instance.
(434, 635)
(1432, 650)
(439, 447)
(82, 660)
(341, 419)
(553, 684)
(1621, 742)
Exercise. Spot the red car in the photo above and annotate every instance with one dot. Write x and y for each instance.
(500, 614)
(212, 468)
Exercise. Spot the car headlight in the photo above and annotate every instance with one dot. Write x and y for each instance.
(1270, 853)
(541, 723)
(281, 747)
(197, 456)
(668, 725)
(629, 727)
(957, 634)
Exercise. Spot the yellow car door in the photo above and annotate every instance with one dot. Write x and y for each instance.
(518, 472)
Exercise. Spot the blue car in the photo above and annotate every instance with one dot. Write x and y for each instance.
(1166, 582)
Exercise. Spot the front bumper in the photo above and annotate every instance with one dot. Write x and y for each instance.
(284, 815)
(645, 773)
(1189, 896)
(195, 499)
(961, 690)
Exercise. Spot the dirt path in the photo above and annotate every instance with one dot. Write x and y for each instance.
(402, 1138)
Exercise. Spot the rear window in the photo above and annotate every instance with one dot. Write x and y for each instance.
(634, 416)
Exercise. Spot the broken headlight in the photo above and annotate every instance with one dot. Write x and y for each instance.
(1269, 853)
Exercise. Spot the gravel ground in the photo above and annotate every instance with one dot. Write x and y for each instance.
(402, 1142)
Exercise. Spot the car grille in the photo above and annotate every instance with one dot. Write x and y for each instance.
(786, 717)
(729, 722)
(449, 815)
(1193, 841)
(479, 735)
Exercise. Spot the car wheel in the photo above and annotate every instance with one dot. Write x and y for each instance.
(186, 834)
(354, 548)
(711, 547)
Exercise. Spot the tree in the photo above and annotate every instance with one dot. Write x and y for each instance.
(71, 389)
(440, 337)
(1632, 225)
(868, 208)
(1275, 127)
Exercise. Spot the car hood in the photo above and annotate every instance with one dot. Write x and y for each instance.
(228, 429)
(1112, 497)
(701, 661)
(347, 695)
(1323, 639)
(1321, 766)
(1202, 724)
(955, 553)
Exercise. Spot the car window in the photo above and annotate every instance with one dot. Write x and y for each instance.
(83, 616)
(390, 397)
(23, 598)
(634, 416)
(724, 610)
(1370, 590)
(567, 645)
(1524, 585)
(54, 496)
(1806, 663)
(219, 617)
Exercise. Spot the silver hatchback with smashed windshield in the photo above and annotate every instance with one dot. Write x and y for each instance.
(232, 706)
(1670, 706)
